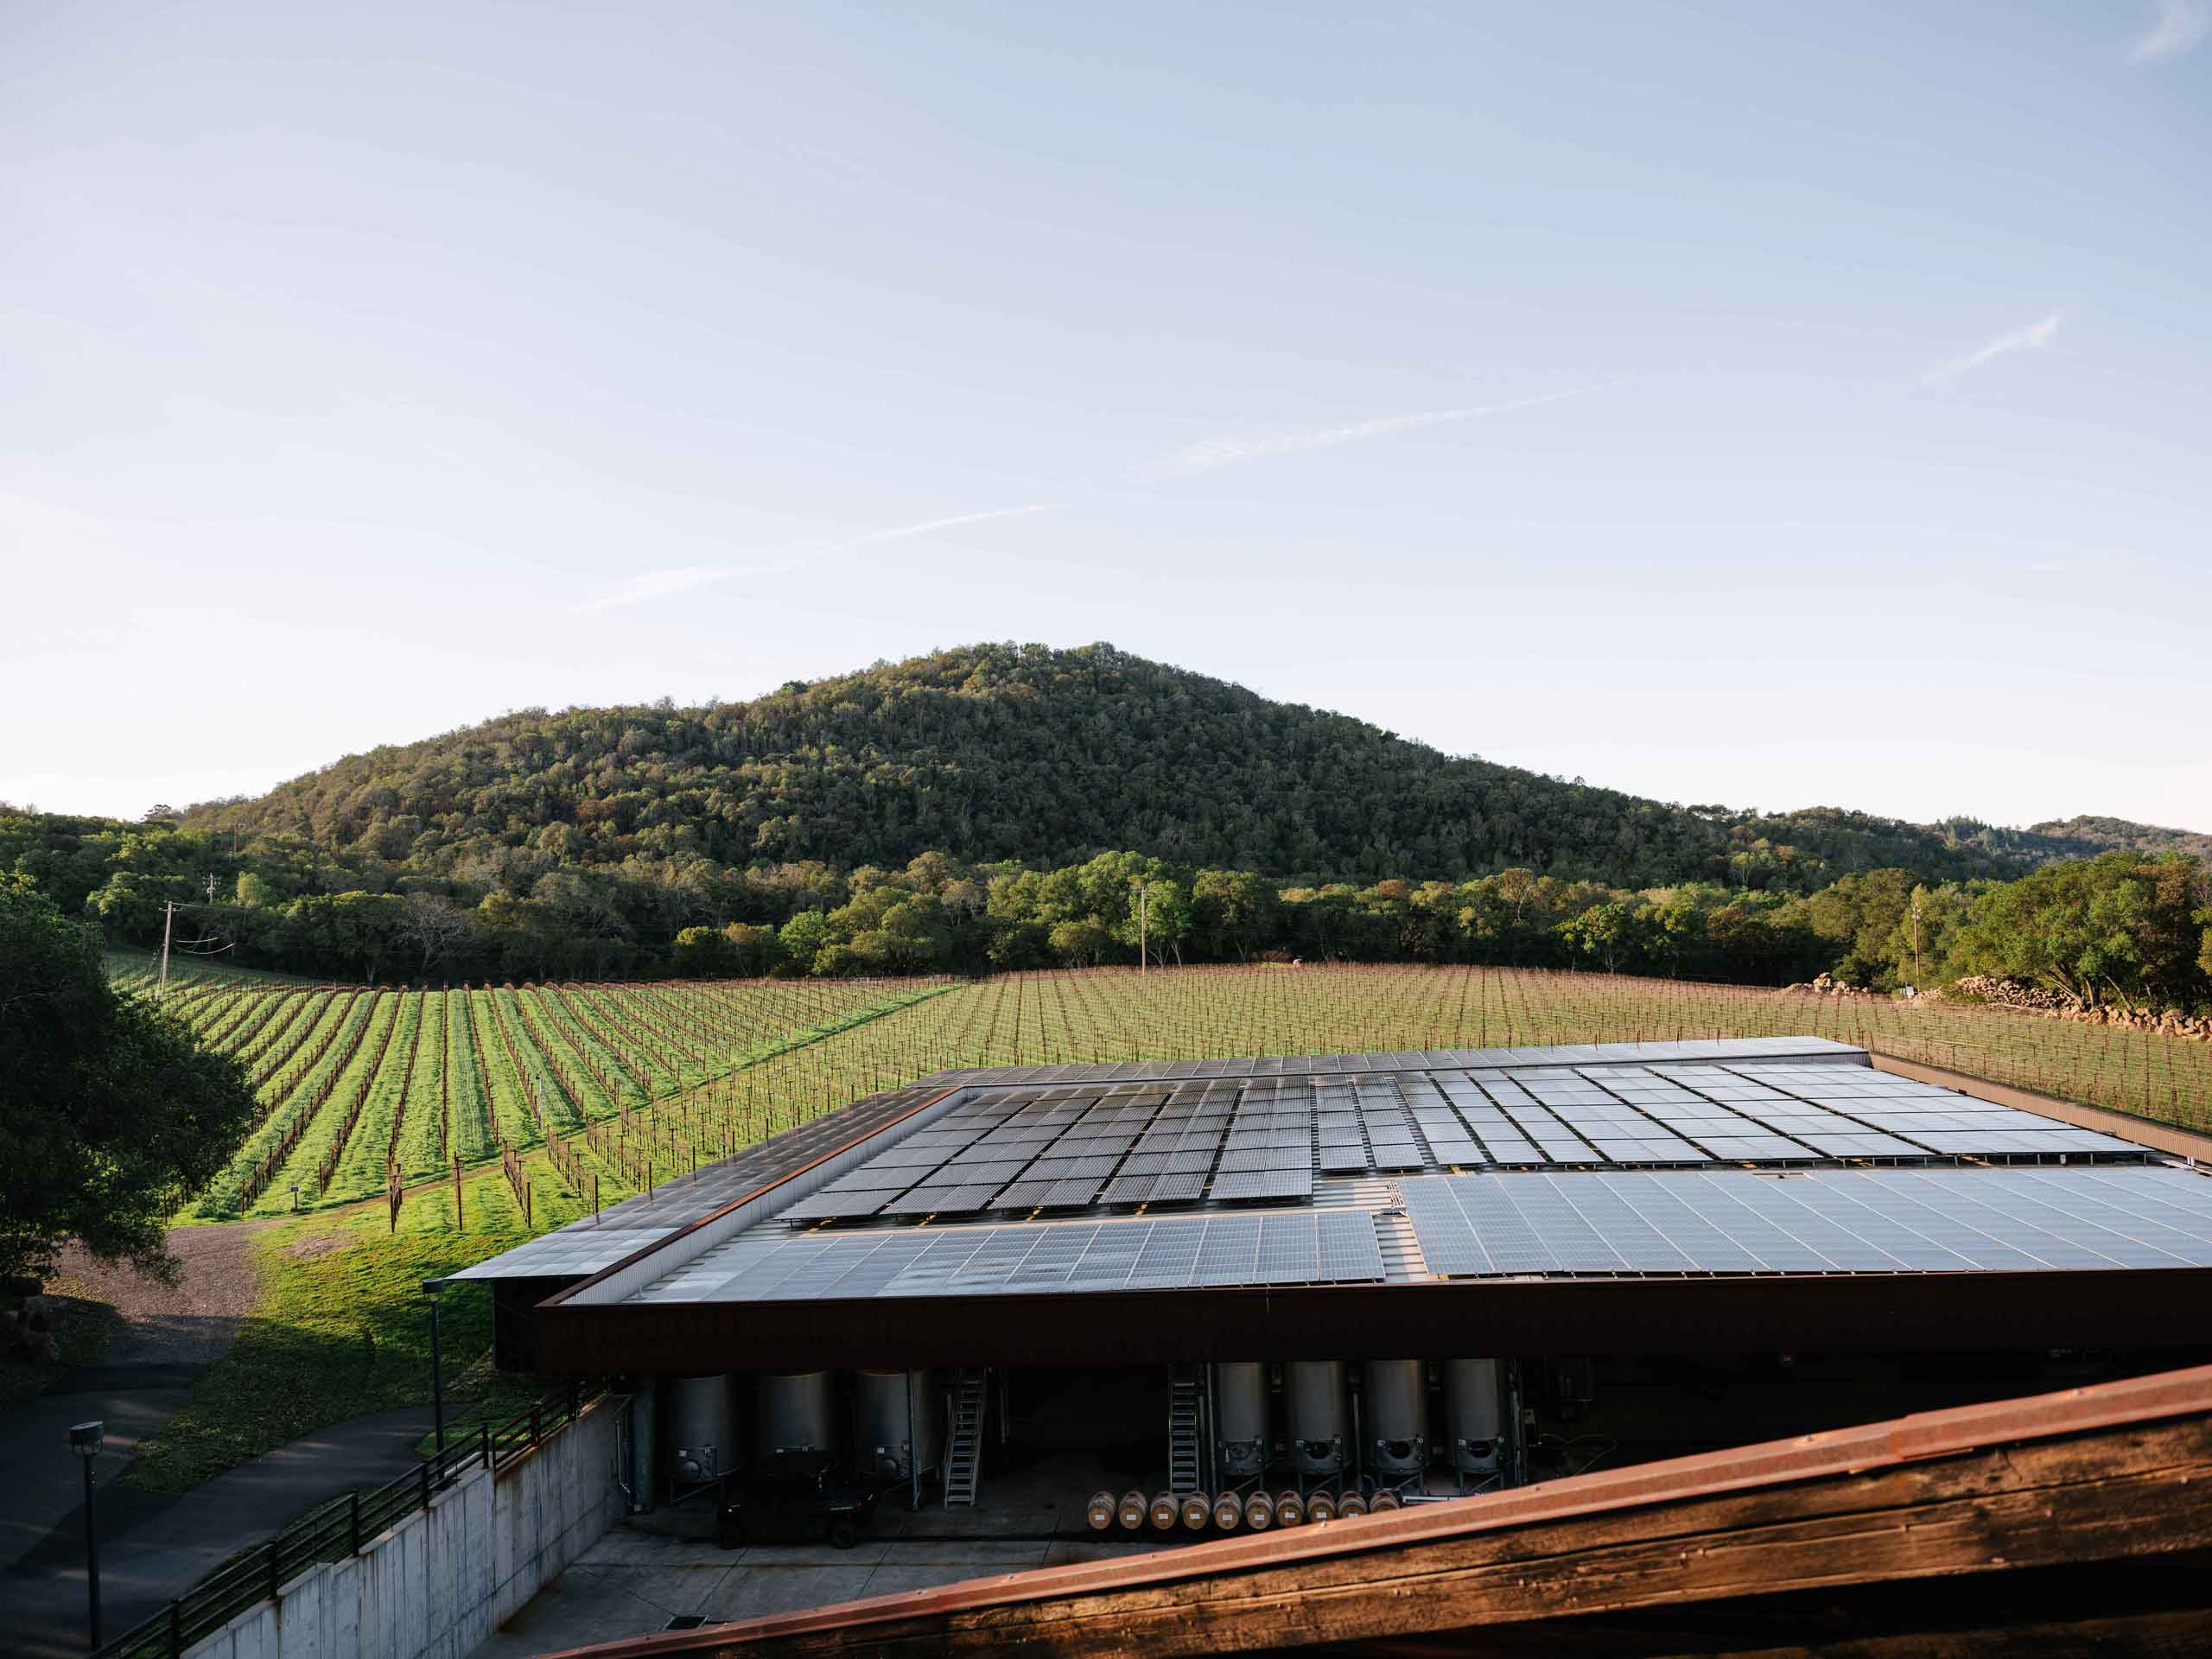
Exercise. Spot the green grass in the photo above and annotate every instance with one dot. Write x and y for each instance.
(342, 1329)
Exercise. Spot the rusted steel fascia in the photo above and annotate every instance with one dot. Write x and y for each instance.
(2138, 1307)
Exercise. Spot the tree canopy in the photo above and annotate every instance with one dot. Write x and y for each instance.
(110, 1114)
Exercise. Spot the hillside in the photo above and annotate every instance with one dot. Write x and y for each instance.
(2108, 835)
(1002, 752)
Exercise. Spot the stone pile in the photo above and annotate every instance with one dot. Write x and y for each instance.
(2063, 1005)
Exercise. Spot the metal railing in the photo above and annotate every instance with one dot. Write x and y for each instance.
(338, 1528)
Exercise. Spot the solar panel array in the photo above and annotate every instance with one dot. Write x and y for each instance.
(1018, 1151)
(1593, 1223)
(1167, 1253)
(586, 1245)
(1815, 1221)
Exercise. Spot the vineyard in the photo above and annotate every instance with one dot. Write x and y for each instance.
(578, 1095)
(367, 1092)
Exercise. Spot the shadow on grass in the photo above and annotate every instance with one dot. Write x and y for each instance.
(342, 1330)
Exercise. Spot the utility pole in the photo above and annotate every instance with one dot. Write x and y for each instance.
(169, 920)
(1915, 940)
(1144, 916)
(211, 887)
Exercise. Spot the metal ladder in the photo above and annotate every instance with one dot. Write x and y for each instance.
(1183, 1429)
(963, 1458)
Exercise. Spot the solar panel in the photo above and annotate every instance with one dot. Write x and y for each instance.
(1821, 1222)
(1238, 1159)
(1348, 1245)
(1129, 1189)
(1229, 1253)
(1179, 1188)
(1265, 1184)
(1071, 1194)
(832, 1206)
(1756, 1148)
(869, 1178)
(1290, 1251)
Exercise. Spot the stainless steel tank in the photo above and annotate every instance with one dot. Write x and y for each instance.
(1474, 1415)
(702, 1428)
(1240, 1412)
(1313, 1392)
(797, 1422)
(1394, 1416)
(889, 1407)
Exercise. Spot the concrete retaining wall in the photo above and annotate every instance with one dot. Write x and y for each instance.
(441, 1581)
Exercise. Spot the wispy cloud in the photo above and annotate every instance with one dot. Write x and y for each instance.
(2177, 26)
(656, 584)
(1214, 453)
(660, 584)
(902, 531)
(2033, 338)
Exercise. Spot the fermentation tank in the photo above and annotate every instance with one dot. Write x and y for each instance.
(797, 1422)
(1394, 1416)
(1314, 1391)
(900, 1430)
(1474, 1415)
(1240, 1409)
(702, 1427)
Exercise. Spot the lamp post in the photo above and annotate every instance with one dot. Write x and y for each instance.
(430, 1289)
(84, 1441)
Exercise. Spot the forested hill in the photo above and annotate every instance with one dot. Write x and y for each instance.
(1007, 752)
(2118, 834)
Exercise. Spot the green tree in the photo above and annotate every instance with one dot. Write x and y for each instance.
(113, 1115)
(2121, 929)
(702, 953)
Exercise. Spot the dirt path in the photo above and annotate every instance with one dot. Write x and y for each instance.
(193, 1321)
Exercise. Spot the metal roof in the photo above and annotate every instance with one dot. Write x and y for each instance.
(1763, 1156)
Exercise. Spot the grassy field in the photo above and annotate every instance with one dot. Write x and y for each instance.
(599, 1092)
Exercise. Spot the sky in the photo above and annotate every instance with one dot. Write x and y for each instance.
(1743, 404)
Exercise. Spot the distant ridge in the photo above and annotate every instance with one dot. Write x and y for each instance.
(1005, 752)
(2108, 834)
